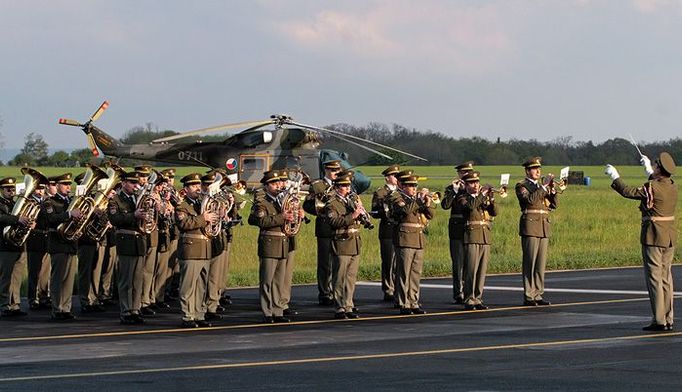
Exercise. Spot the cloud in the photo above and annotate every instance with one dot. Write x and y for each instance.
(470, 38)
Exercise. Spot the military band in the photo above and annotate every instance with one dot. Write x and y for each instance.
(189, 232)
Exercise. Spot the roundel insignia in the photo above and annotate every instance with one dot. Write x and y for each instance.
(231, 164)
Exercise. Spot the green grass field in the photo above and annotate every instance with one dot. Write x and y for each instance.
(593, 227)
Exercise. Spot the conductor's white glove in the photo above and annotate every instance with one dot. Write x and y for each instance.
(646, 162)
(611, 172)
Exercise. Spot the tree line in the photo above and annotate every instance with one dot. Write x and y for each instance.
(436, 147)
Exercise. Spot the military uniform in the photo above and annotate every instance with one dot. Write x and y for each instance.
(536, 201)
(658, 202)
(216, 266)
(346, 244)
(108, 290)
(319, 193)
(131, 248)
(194, 255)
(149, 265)
(38, 261)
(90, 261)
(381, 210)
(456, 227)
(273, 249)
(12, 259)
(477, 210)
(410, 243)
(63, 254)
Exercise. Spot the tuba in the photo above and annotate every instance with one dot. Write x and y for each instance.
(290, 200)
(17, 234)
(148, 204)
(86, 204)
(99, 223)
(213, 202)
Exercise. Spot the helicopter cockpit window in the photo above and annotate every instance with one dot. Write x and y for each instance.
(329, 155)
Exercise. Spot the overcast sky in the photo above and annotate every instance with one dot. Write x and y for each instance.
(592, 70)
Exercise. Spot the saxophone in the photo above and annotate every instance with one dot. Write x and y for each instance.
(148, 204)
(86, 204)
(17, 234)
(213, 202)
(99, 223)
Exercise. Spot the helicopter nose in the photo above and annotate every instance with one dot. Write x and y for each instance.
(361, 182)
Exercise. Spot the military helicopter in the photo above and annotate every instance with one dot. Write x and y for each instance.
(277, 142)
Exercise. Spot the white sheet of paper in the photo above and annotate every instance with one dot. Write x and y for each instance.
(564, 173)
(80, 190)
(504, 179)
(21, 188)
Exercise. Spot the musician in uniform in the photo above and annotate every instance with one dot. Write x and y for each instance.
(38, 257)
(658, 202)
(478, 206)
(90, 260)
(233, 219)
(381, 210)
(12, 258)
(173, 280)
(63, 253)
(342, 214)
(273, 246)
(536, 199)
(194, 252)
(144, 171)
(216, 267)
(456, 226)
(131, 248)
(166, 230)
(315, 201)
(108, 291)
(412, 210)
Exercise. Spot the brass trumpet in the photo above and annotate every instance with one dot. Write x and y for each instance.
(434, 196)
(502, 190)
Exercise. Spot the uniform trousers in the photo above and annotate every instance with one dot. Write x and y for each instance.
(324, 268)
(345, 273)
(193, 282)
(90, 260)
(409, 264)
(387, 250)
(216, 276)
(38, 277)
(226, 267)
(457, 257)
(659, 281)
(12, 265)
(63, 274)
(534, 263)
(288, 279)
(161, 275)
(475, 267)
(129, 281)
(271, 275)
(148, 276)
(108, 280)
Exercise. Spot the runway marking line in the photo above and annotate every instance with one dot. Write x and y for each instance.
(309, 322)
(346, 358)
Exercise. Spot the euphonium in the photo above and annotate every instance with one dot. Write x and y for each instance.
(86, 204)
(291, 202)
(99, 223)
(148, 204)
(213, 203)
(26, 207)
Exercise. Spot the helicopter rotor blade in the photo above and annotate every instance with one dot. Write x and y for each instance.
(99, 111)
(331, 132)
(361, 146)
(92, 145)
(67, 121)
(244, 124)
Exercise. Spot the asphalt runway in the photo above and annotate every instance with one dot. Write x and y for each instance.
(589, 339)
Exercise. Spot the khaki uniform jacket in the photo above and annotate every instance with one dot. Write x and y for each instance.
(37, 239)
(55, 209)
(7, 219)
(313, 204)
(338, 214)
(406, 211)
(129, 241)
(193, 244)
(457, 222)
(266, 213)
(477, 212)
(381, 210)
(661, 194)
(533, 198)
